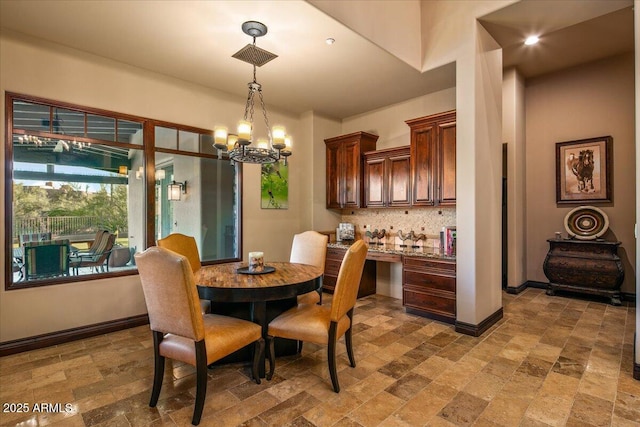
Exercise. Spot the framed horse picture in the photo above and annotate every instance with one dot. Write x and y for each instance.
(583, 170)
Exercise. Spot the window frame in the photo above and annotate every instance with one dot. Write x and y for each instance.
(148, 152)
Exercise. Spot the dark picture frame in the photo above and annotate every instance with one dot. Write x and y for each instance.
(583, 170)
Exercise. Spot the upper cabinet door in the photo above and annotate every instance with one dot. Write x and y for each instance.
(447, 163)
(374, 182)
(333, 175)
(352, 170)
(423, 151)
(399, 183)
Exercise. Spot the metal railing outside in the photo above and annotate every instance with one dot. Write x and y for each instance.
(57, 225)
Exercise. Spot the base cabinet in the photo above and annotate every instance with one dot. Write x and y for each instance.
(429, 288)
(586, 266)
(332, 267)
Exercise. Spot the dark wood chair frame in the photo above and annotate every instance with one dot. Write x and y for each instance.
(201, 372)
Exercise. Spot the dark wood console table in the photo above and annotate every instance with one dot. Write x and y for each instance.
(587, 266)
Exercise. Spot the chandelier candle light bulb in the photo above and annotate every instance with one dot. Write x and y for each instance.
(220, 134)
(278, 134)
(244, 131)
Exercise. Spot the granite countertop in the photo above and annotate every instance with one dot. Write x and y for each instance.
(398, 250)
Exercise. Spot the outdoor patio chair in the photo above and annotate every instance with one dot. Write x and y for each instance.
(100, 234)
(48, 258)
(34, 237)
(98, 259)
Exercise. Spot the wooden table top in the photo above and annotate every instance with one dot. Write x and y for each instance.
(221, 282)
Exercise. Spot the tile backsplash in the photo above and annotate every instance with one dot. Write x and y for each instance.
(428, 221)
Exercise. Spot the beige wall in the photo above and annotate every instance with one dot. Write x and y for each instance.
(583, 102)
(513, 135)
(636, 13)
(42, 69)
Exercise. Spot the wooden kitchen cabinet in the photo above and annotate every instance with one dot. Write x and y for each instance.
(433, 159)
(332, 265)
(429, 287)
(344, 168)
(387, 178)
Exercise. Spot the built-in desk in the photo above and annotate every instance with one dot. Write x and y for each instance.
(428, 277)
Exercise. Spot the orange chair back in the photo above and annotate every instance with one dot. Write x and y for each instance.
(170, 293)
(184, 245)
(346, 290)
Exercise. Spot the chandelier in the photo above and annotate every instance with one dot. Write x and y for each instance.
(241, 147)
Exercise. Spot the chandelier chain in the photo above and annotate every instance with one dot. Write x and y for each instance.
(266, 119)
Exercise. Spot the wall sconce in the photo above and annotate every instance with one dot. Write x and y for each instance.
(139, 172)
(176, 189)
(122, 170)
(160, 174)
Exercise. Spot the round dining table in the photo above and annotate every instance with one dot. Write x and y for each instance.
(260, 297)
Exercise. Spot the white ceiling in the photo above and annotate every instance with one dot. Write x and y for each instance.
(194, 41)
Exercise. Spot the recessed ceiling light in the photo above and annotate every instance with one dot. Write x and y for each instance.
(531, 40)
(330, 41)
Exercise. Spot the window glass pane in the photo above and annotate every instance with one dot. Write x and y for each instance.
(67, 122)
(130, 132)
(207, 211)
(206, 144)
(71, 195)
(101, 127)
(29, 116)
(166, 137)
(188, 141)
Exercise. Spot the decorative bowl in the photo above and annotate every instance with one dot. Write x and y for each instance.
(586, 223)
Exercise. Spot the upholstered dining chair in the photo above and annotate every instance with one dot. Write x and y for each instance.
(186, 245)
(310, 248)
(180, 331)
(324, 324)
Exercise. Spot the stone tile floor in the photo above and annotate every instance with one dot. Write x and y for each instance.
(551, 361)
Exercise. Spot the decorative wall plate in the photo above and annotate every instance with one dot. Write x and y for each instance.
(586, 223)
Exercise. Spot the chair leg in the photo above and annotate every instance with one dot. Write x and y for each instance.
(258, 351)
(331, 356)
(201, 381)
(349, 340)
(158, 372)
(272, 357)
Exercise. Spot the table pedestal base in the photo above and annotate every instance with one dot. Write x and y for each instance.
(256, 312)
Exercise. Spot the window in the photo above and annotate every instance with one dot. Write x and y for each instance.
(208, 203)
(77, 203)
